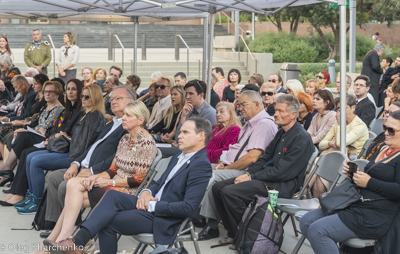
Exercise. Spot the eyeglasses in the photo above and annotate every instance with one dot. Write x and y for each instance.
(86, 97)
(243, 104)
(338, 109)
(390, 130)
(359, 85)
(48, 92)
(86, 73)
(387, 112)
(162, 87)
(320, 77)
(117, 98)
(272, 80)
(267, 93)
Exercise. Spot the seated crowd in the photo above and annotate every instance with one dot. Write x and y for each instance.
(98, 137)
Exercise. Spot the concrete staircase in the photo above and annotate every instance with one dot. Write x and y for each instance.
(96, 35)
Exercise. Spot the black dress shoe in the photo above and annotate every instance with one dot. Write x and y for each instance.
(45, 234)
(199, 222)
(8, 190)
(5, 203)
(208, 233)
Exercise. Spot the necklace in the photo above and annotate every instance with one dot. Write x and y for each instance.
(132, 143)
(387, 153)
(48, 109)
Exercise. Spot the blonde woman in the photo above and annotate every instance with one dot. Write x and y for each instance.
(311, 86)
(167, 125)
(68, 58)
(225, 132)
(294, 86)
(99, 74)
(87, 75)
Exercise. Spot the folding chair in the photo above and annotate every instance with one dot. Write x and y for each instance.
(376, 125)
(371, 134)
(377, 111)
(364, 150)
(147, 239)
(329, 167)
(151, 173)
(310, 164)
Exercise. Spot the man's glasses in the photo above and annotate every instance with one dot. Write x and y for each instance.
(117, 98)
(272, 80)
(162, 87)
(267, 93)
(86, 97)
(390, 130)
(359, 85)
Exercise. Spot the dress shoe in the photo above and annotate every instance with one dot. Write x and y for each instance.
(8, 176)
(8, 190)
(208, 233)
(66, 246)
(5, 203)
(199, 222)
(45, 234)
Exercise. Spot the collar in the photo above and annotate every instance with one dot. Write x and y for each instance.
(117, 120)
(200, 109)
(161, 101)
(359, 100)
(253, 121)
(186, 156)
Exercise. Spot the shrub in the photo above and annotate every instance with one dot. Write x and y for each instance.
(392, 52)
(364, 44)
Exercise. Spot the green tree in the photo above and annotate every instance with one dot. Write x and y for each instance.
(381, 11)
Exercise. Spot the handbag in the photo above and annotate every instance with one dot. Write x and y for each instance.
(58, 145)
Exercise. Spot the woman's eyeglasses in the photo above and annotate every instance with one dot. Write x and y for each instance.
(86, 97)
(267, 93)
(390, 130)
(320, 77)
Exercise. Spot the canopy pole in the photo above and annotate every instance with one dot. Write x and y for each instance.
(210, 53)
(237, 26)
(342, 4)
(135, 28)
(205, 52)
(352, 42)
(253, 25)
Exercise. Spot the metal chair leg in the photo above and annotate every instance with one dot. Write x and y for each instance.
(137, 248)
(299, 244)
(294, 226)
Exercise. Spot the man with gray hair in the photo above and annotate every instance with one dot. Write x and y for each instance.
(37, 52)
(372, 68)
(281, 168)
(254, 137)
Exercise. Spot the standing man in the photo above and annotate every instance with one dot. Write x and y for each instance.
(180, 79)
(37, 53)
(365, 109)
(372, 68)
(277, 80)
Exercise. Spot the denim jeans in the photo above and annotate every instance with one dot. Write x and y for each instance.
(323, 232)
(38, 161)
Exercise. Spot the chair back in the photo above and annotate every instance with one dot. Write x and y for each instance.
(361, 163)
(377, 111)
(376, 125)
(310, 165)
(161, 167)
(371, 134)
(151, 173)
(363, 152)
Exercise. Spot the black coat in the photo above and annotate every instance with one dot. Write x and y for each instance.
(365, 110)
(293, 149)
(26, 110)
(372, 68)
(387, 78)
(104, 152)
(214, 98)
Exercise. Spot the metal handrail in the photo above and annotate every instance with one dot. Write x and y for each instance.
(229, 18)
(54, 54)
(248, 52)
(123, 52)
(189, 50)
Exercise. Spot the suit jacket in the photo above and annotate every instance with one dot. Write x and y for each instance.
(100, 82)
(283, 165)
(104, 152)
(281, 90)
(365, 110)
(26, 110)
(387, 78)
(372, 68)
(181, 196)
(156, 117)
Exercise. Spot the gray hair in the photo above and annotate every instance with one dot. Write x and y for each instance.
(31, 72)
(129, 91)
(292, 103)
(37, 29)
(202, 125)
(253, 96)
(6, 59)
(379, 47)
(18, 79)
(155, 76)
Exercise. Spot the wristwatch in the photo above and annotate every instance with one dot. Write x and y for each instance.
(113, 183)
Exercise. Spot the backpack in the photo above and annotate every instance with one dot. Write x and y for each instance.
(261, 230)
(39, 220)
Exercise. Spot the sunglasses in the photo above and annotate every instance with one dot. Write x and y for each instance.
(272, 80)
(86, 97)
(390, 130)
(320, 77)
(162, 87)
(267, 93)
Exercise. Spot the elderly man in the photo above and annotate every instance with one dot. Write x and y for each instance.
(277, 80)
(372, 68)
(94, 160)
(281, 168)
(254, 137)
(38, 53)
(163, 89)
(348, 84)
(161, 208)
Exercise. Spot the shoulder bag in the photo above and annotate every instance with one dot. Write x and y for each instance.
(58, 145)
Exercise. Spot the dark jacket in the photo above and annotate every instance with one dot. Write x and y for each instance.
(85, 132)
(292, 148)
(107, 105)
(104, 152)
(271, 110)
(281, 90)
(372, 68)
(214, 98)
(181, 196)
(7, 80)
(365, 110)
(387, 78)
(26, 110)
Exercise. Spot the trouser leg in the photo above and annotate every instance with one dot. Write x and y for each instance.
(54, 182)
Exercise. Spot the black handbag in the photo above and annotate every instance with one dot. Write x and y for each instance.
(58, 145)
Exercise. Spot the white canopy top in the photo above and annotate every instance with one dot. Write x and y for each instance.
(124, 10)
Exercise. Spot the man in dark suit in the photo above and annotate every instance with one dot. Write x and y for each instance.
(372, 68)
(277, 80)
(161, 208)
(96, 159)
(365, 109)
(388, 77)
